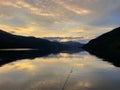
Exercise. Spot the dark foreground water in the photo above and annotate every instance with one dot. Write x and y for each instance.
(80, 71)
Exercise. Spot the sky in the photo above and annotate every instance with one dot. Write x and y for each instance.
(59, 18)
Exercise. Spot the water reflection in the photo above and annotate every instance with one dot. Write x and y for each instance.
(109, 57)
(85, 72)
(7, 56)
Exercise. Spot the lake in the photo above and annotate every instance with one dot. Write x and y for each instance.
(63, 71)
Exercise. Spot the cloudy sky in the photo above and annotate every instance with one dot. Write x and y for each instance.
(59, 18)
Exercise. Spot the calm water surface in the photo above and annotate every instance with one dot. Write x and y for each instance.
(80, 71)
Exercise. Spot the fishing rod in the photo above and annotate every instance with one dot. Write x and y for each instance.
(71, 71)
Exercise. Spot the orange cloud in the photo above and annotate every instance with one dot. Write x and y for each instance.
(6, 28)
(33, 9)
(8, 3)
(18, 30)
(24, 4)
(77, 31)
(80, 11)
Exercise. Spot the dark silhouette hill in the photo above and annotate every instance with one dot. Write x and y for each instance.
(106, 46)
(10, 41)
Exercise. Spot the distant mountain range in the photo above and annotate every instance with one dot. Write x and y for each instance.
(65, 39)
(106, 46)
(10, 41)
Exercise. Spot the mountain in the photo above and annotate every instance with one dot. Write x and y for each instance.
(106, 46)
(10, 41)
